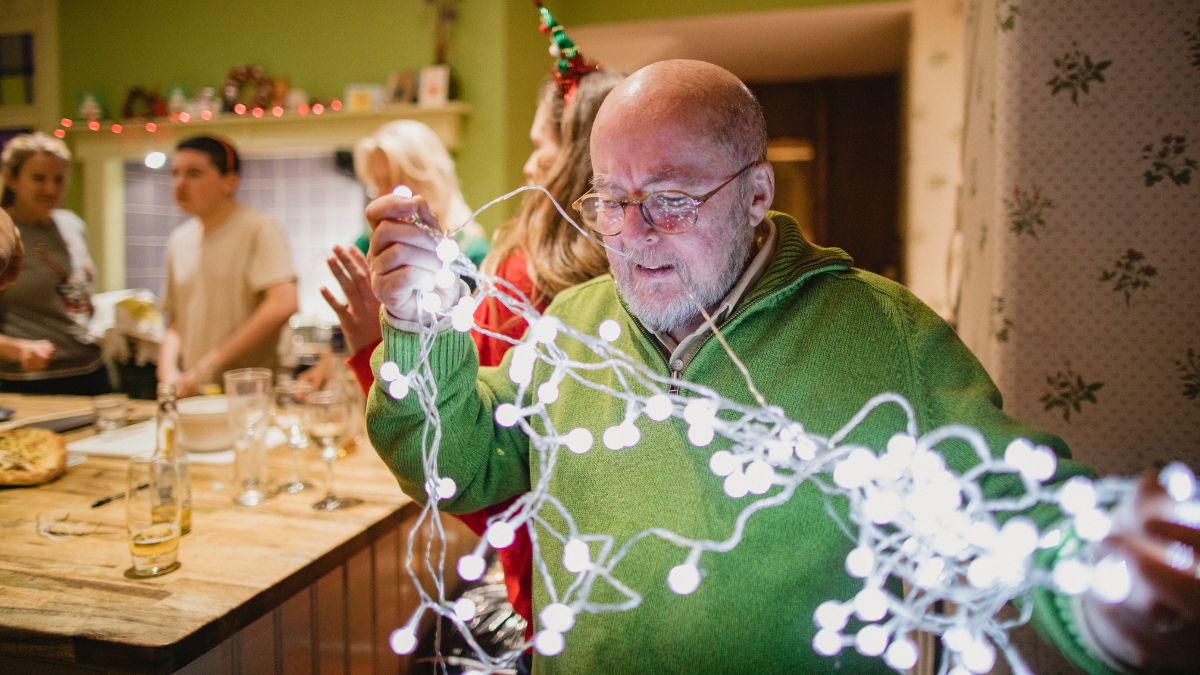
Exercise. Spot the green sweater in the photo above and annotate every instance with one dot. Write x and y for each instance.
(819, 338)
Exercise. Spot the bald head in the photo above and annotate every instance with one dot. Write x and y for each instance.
(708, 99)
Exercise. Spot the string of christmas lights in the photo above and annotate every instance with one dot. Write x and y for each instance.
(915, 519)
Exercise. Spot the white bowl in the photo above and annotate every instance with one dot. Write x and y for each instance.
(204, 423)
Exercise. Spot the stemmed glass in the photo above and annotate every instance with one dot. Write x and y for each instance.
(329, 424)
(289, 415)
(248, 393)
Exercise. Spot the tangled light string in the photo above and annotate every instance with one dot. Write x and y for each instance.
(916, 519)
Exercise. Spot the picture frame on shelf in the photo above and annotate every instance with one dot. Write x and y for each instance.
(434, 86)
(401, 87)
(363, 97)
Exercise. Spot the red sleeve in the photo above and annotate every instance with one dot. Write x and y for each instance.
(360, 364)
(494, 316)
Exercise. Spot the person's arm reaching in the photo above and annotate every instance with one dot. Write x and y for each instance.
(34, 355)
(279, 303)
(488, 463)
(168, 354)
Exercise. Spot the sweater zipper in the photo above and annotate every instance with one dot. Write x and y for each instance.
(676, 376)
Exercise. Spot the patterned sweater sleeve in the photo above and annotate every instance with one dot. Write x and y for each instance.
(951, 386)
(487, 462)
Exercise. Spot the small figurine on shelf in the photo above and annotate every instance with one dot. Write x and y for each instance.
(280, 86)
(295, 99)
(206, 104)
(89, 106)
(177, 99)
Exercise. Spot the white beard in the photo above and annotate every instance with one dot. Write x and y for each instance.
(679, 311)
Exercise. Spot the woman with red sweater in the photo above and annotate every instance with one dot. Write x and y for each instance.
(538, 252)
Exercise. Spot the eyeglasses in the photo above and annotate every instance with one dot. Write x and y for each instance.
(668, 211)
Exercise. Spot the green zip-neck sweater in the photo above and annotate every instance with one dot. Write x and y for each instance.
(819, 339)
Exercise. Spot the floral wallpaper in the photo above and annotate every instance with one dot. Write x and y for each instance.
(1080, 230)
(1080, 285)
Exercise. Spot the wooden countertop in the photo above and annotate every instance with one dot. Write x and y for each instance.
(69, 601)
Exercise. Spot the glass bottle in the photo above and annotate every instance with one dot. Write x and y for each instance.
(341, 379)
(166, 433)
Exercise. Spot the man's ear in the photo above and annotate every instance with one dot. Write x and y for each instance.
(762, 191)
(231, 181)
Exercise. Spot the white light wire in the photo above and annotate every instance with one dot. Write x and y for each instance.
(912, 518)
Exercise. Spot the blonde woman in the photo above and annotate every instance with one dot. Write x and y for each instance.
(44, 312)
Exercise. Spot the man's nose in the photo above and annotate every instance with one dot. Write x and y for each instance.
(636, 224)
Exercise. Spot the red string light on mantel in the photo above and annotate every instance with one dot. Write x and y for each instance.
(61, 133)
(151, 127)
(302, 109)
(117, 128)
(185, 117)
(206, 115)
(335, 105)
(240, 108)
(257, 112)
(66, 122)
(93, 125)
(277, 111)
(318, 108)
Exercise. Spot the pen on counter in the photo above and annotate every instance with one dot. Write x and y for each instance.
(119, 495)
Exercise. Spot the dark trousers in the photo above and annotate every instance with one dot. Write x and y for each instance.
(91, 384)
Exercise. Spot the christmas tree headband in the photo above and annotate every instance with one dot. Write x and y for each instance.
(569, 64)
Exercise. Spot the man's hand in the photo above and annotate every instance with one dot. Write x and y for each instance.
(34, 355)
(402, 257)
(360, 315)
(1158, 626)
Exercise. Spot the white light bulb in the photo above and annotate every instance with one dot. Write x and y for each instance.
(1186, 513)
(806, 449)
(929, 572)
(1180, 556)
(979, 657)
(871, 640)
(629, 433)
(902, 654)
(403, 640)
(1019, 454)
(684, 579)
(658, 407)
(545, 330)
(444, 279)
(446, 488)
(1179, 481)
(500, 534)
(1111, 581)
(430, 302)
(860, 562)
(548, 642)
(1092, 524)
(832, 615)
(520, 370)
(464, 609)
(462, 319)
(579, 440)
(547, 393)
(1072, 577)
(983, 571)
(891, 466)
(403, 191)
(576, 556)
(902, 444)
(957, 639)
(1077, 495)
(155, 160)
(858, 468)
(778, 451)
(557, 617)
(759, 476)
(609, 330)
(1043, 464)
(882, 507)
(398, 388)
(827, 642)
(612, 438)
(700, 435)
(926, 465)
(389, 371)
(1051, 539)
(959, 670)
(447, 250)
(700, 411)
(736, 485)
(471, 567)
(722, 463)
(1017, 539)
(870, 604)
(507, 414)
(982, 534)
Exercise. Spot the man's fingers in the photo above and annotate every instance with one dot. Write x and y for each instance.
(1167, 571)
(339, 274)
(344, 315)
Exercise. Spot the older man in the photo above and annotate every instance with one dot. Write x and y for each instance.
(682, 196)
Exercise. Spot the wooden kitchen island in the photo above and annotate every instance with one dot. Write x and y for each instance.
(275, 588)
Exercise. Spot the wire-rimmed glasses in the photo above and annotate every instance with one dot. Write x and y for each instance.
(668, 211)
(329, 425)
(290, 416)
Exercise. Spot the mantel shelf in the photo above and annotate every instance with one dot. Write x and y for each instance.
(290, 132)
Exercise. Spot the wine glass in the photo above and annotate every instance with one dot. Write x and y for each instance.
(248, 393)
(329, 424)
(289, 416)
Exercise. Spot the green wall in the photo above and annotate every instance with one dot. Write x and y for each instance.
(498, 57)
